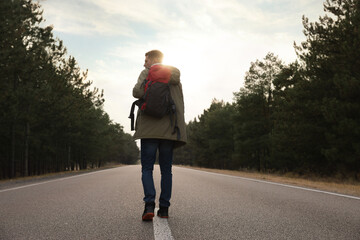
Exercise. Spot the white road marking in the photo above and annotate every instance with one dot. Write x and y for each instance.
(55, 180)
(161, 228)
(279, 184)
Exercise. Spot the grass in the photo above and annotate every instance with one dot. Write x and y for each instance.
(335, 185)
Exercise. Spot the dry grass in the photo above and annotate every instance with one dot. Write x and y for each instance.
(331, 185)
(59, 174)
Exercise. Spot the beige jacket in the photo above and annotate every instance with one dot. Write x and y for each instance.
(150, 127)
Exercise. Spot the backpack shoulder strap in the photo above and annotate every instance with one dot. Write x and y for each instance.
(173, 112)
(138, 103)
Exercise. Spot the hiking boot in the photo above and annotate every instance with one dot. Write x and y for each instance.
(148, 211)
(163, 212)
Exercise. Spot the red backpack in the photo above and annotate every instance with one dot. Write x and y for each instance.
(157, 101)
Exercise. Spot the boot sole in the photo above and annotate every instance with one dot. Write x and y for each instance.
(160, 216)
(148, 217)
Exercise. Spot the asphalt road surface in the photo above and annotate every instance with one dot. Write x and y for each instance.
(108, 205)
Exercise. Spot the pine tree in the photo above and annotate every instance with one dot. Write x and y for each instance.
(254, 109)
(332, 58)
(296, 139)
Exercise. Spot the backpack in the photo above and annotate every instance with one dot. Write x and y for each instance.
(157, 101)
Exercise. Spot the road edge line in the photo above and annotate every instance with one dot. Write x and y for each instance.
(55, 180)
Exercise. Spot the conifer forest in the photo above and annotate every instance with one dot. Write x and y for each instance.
(51, 118)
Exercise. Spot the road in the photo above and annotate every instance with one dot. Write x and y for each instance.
(108, 204)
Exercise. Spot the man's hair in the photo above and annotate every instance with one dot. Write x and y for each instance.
(155, 54)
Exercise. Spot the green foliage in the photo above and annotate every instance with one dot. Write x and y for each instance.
(297, 137)
(254, 111)
(50, 120)
(209, 142)
(332, 57)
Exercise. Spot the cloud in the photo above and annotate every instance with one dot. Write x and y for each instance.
(83, 18)
(135, 18)
(138, 10)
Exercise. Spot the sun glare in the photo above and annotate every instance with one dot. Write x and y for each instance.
(173, 58)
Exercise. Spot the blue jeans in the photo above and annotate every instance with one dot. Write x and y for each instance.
(149, 148)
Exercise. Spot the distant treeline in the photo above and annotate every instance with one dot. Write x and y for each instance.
(303, 117)
(50, 119)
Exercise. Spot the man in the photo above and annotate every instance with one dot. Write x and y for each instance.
(159, 134)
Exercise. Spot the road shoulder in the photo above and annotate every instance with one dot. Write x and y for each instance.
(330, 185)
(16, 182)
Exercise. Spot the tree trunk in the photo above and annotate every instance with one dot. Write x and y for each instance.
(69, 158)
(27, 136)
(12, 173)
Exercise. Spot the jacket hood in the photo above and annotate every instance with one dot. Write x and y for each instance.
(164, 73)
(159, 73)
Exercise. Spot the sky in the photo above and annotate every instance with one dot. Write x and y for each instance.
(211, 42)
